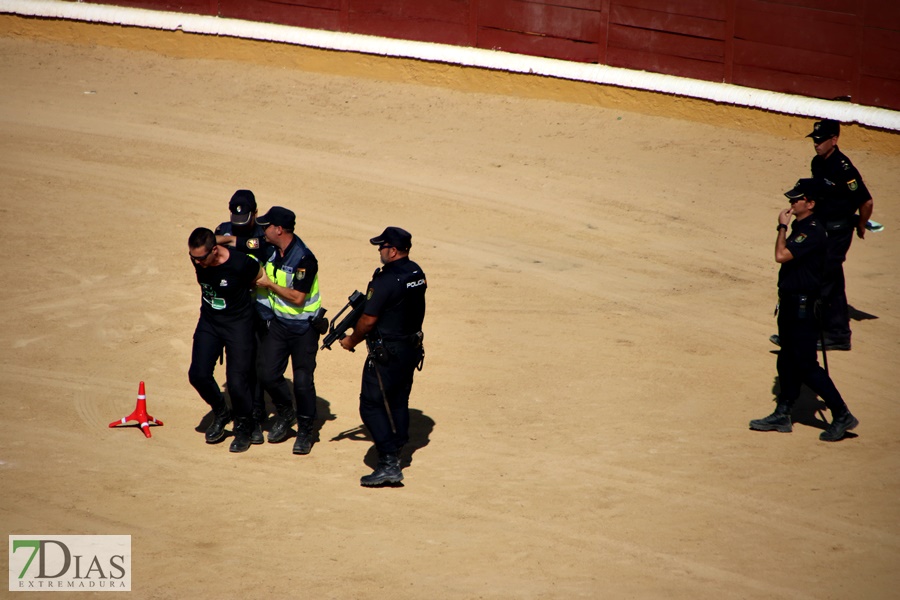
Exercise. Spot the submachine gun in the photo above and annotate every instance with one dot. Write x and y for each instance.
(356, 303)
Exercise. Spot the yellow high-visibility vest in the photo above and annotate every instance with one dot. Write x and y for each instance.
(285, 276)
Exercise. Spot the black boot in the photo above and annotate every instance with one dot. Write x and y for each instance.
(216, 430)
(304, 441)
(256, 436)
(388, 471)
(839, 427)
(780, 420)
(243, 428)
(281, 429)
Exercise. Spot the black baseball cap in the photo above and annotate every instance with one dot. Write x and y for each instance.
(242, 206)
(811, 189)
(824, 129)
(393, 236)
(278, 216)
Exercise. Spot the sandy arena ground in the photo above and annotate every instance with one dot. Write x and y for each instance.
(601, 286)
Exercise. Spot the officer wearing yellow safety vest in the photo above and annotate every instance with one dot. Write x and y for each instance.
(292, 284)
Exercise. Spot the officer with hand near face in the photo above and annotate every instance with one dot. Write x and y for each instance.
(802, 255)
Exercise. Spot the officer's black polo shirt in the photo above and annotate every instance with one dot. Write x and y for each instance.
(250, 239)
(396, 295)
(803, 273)
(847, 191)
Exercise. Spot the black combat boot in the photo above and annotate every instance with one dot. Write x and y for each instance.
(243, 428)
(216, 430)
(388, 471)
(780, 420)
(839, 426)
(304, 441)
(281, 429)
(256, 436)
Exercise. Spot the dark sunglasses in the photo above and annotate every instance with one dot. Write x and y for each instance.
(383, 246)
(200, 259)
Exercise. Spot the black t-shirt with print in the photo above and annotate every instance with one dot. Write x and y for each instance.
(226, 288)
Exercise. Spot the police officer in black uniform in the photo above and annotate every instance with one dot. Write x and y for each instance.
(241, 231)
(847, 207)
(244, 234)
(226, 279)
(802, 256)
(391, 324)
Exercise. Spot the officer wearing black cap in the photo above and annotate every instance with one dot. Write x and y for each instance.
(847, 206)
(244, 234)
(292, 285)
(391, 324)
(802, 258)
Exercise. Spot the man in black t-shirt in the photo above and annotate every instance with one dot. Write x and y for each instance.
(391, 324)
(802, 258)
(226, 280)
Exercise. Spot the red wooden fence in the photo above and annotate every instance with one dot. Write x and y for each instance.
(819, 48)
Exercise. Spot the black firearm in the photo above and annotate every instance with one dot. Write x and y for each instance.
(356, 303)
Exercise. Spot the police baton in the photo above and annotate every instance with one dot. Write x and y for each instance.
(387, 406)
(818, 310)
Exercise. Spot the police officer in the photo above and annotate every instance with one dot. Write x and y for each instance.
(292, 282)
(802, 256)
(226, 279)
(391, 324)
(244, 234)
(846, 207)
(241, 231)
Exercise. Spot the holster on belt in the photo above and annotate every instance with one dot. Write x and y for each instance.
(802, 305)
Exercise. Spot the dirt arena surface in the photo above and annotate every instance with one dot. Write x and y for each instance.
(601, 286)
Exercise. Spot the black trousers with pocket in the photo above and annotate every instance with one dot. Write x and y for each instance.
(396, 379)
(298, 342)
(797, 362)
(239, 341)
(836, 318)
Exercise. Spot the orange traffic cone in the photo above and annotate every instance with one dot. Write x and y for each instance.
(139, 414)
